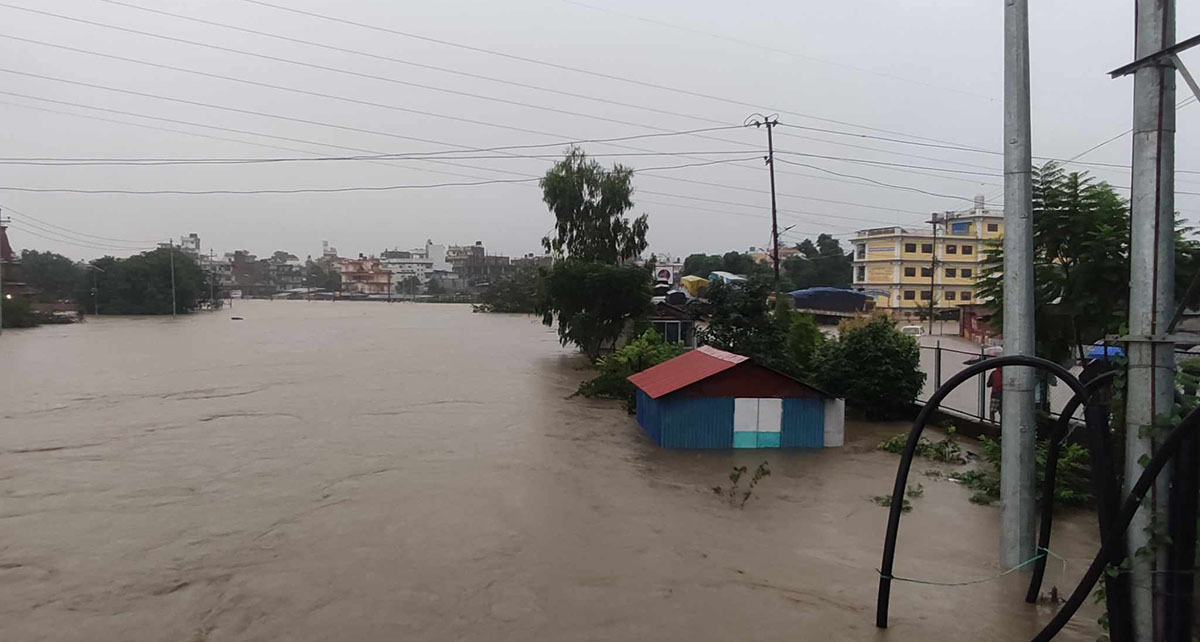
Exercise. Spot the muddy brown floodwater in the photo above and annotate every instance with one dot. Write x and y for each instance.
(355, 471)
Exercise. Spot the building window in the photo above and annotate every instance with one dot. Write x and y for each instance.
(950, 295)
(965, 295)
(927, 248)
(910, 271)
(862, 251)
(993, 227)
(860, 273)
(951, 273)
(951, 249)
(966, 273)
(967, 249)
(925, 294)
(926, 272)
(910, 295)
(910, 247)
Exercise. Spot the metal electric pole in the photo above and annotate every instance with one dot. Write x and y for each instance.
(758, 120)
(1018, 427)
(1150, 385)
(932, 271)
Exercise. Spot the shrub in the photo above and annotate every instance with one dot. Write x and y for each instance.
(647, 350)
(945, 450)
(874, 366)
(1072, 483)
(17, 314)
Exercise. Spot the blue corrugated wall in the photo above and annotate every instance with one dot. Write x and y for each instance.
(696, 422)
(803, 423)
(649, 417)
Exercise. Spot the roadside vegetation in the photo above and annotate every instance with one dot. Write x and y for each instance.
(873, 365)
(612, 382)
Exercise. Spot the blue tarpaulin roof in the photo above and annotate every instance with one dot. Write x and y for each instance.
(833, 299)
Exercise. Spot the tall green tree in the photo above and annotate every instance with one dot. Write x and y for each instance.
(592, 292)
(54, 276)
(141, 284)
(589, 203)
(1081, 262)
(741, 320)
(820, 264)
(594, 302)
(516, 291)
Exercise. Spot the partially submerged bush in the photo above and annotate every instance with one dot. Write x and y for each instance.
(647, 350)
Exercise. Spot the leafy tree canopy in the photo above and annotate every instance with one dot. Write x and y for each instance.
(588, 203)
(55, 276)
(592, 302)
(820, 264)
(141, 284)
(873, 365)
(740, 320)
(1081, 262)
(517, 291)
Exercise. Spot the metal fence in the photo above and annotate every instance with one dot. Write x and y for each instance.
(970, 400)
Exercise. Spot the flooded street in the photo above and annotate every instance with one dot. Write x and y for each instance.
(360, 471)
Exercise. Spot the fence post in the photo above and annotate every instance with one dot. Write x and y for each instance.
(937, 364)
(982, 388)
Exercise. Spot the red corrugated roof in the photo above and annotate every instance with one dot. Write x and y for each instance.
(684, 370)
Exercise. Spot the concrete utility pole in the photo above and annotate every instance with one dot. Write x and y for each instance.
(171, 246)
(1018, 428)
(1151, 381)
(3, 223)
(758, 120)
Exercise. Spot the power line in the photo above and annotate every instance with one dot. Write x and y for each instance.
(308, 65)
(154, 162)
(68, 241)
(69, 230)
(357, 101)
(879, 183)
(597, 74)
(403, 61)
(756, 45)
(345, 127)
(324, 190)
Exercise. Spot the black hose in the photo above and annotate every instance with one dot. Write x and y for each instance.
(1053, 451)
(1110, 548)
(910, 447)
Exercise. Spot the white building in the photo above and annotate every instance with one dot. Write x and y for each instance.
(419, 262)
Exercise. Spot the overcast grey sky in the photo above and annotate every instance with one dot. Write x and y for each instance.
(914, 68)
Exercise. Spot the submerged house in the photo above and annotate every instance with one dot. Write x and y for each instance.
(709, 398)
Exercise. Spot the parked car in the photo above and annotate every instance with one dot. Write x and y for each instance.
(913, 330)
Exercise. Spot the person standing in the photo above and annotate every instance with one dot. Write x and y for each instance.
(996, 383)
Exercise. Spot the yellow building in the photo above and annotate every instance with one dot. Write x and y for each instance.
(904, 269)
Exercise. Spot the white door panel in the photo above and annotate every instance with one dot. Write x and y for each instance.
(770, 415)
(745, 415)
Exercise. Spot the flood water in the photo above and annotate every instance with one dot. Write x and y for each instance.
(365, 471)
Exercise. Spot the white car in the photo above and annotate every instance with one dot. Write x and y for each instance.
(913, 330)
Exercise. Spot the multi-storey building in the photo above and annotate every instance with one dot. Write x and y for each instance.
(911, 270)
(363, 275)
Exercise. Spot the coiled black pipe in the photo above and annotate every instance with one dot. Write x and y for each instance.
(1053, 450)
(1112, 547)
(910, 447)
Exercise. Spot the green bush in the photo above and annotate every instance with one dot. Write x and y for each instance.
(16, 313)
(1072, 483)
(945, 450)
(874, 366)
(647, 350)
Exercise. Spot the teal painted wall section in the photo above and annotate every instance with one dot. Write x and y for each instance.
(696, 422)
(745, 439)
(769, 439)
(803, 423)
